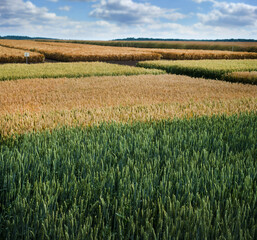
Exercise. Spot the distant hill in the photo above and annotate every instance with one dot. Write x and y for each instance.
(175, 39)
(24, 38)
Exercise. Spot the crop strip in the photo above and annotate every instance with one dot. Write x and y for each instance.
(212, 69)
(69, 70)
(12, 55)
(176, 179)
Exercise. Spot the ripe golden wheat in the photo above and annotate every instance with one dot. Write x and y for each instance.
(250, 77)
(70, 52)
(185, 54)
(39, 104)
(11, 55)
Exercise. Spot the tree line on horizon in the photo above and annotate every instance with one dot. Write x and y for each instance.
(14, 37)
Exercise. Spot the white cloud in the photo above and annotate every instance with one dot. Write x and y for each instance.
(220, 32)
(65, 8)
(229, 15)
(52, 0)
(22, 17)
(17, 13)
(18, 17)
(82, 0)
(130, 12)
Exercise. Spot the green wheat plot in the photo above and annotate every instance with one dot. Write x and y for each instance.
(181, 179)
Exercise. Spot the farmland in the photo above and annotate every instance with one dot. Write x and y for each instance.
(71, 52)
(10, 55)
(69, 70)
(212, 69)
(250, 77)
(184, 54)
(94, 150)
(204, 45)
(184, 178)
(67, 52)
(39, 104)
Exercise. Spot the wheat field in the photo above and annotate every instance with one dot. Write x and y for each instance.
(190, 54)
(211, 69)
(38, 104)
(69, 70)
(9, 55)
(242, 76)
(84, 155)
(70, 52)
(204, 45)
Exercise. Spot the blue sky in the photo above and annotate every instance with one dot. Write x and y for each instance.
(110, 19)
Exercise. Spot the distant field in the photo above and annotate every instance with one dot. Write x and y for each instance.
(68, 52)
(184, 54)
(213, 69)
(57, 70)
(205, 45)
(10, 55)
(71, 52)
(38, 104)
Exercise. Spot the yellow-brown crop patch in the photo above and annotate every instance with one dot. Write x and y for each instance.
(243, 76)
(11, 55)
(38, 104)
(70, 52)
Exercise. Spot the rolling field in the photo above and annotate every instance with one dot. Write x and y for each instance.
(250, 77)
(39, 104)
(204, 45)
(189, 54)
(71, 52)
(182, 179)
(228, 70)
(103, 151)
(10, 55)
(67, 52)
(69, 70)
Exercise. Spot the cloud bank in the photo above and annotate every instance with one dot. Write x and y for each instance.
(229, 15)
(109, 19)
(130, 12)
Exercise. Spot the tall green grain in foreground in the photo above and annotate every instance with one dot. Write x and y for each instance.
(181, 179)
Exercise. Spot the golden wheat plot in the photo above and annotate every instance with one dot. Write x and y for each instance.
(81, 52)
(204, 45)
(209, 45)
(38, 104)
(185, 54)
(84, 52)
(243, 76)
(11, 55)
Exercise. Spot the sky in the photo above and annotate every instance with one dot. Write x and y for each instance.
(112, 19)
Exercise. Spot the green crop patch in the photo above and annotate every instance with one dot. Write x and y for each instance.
(212, 69)
(181, 179)
(69, 70)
